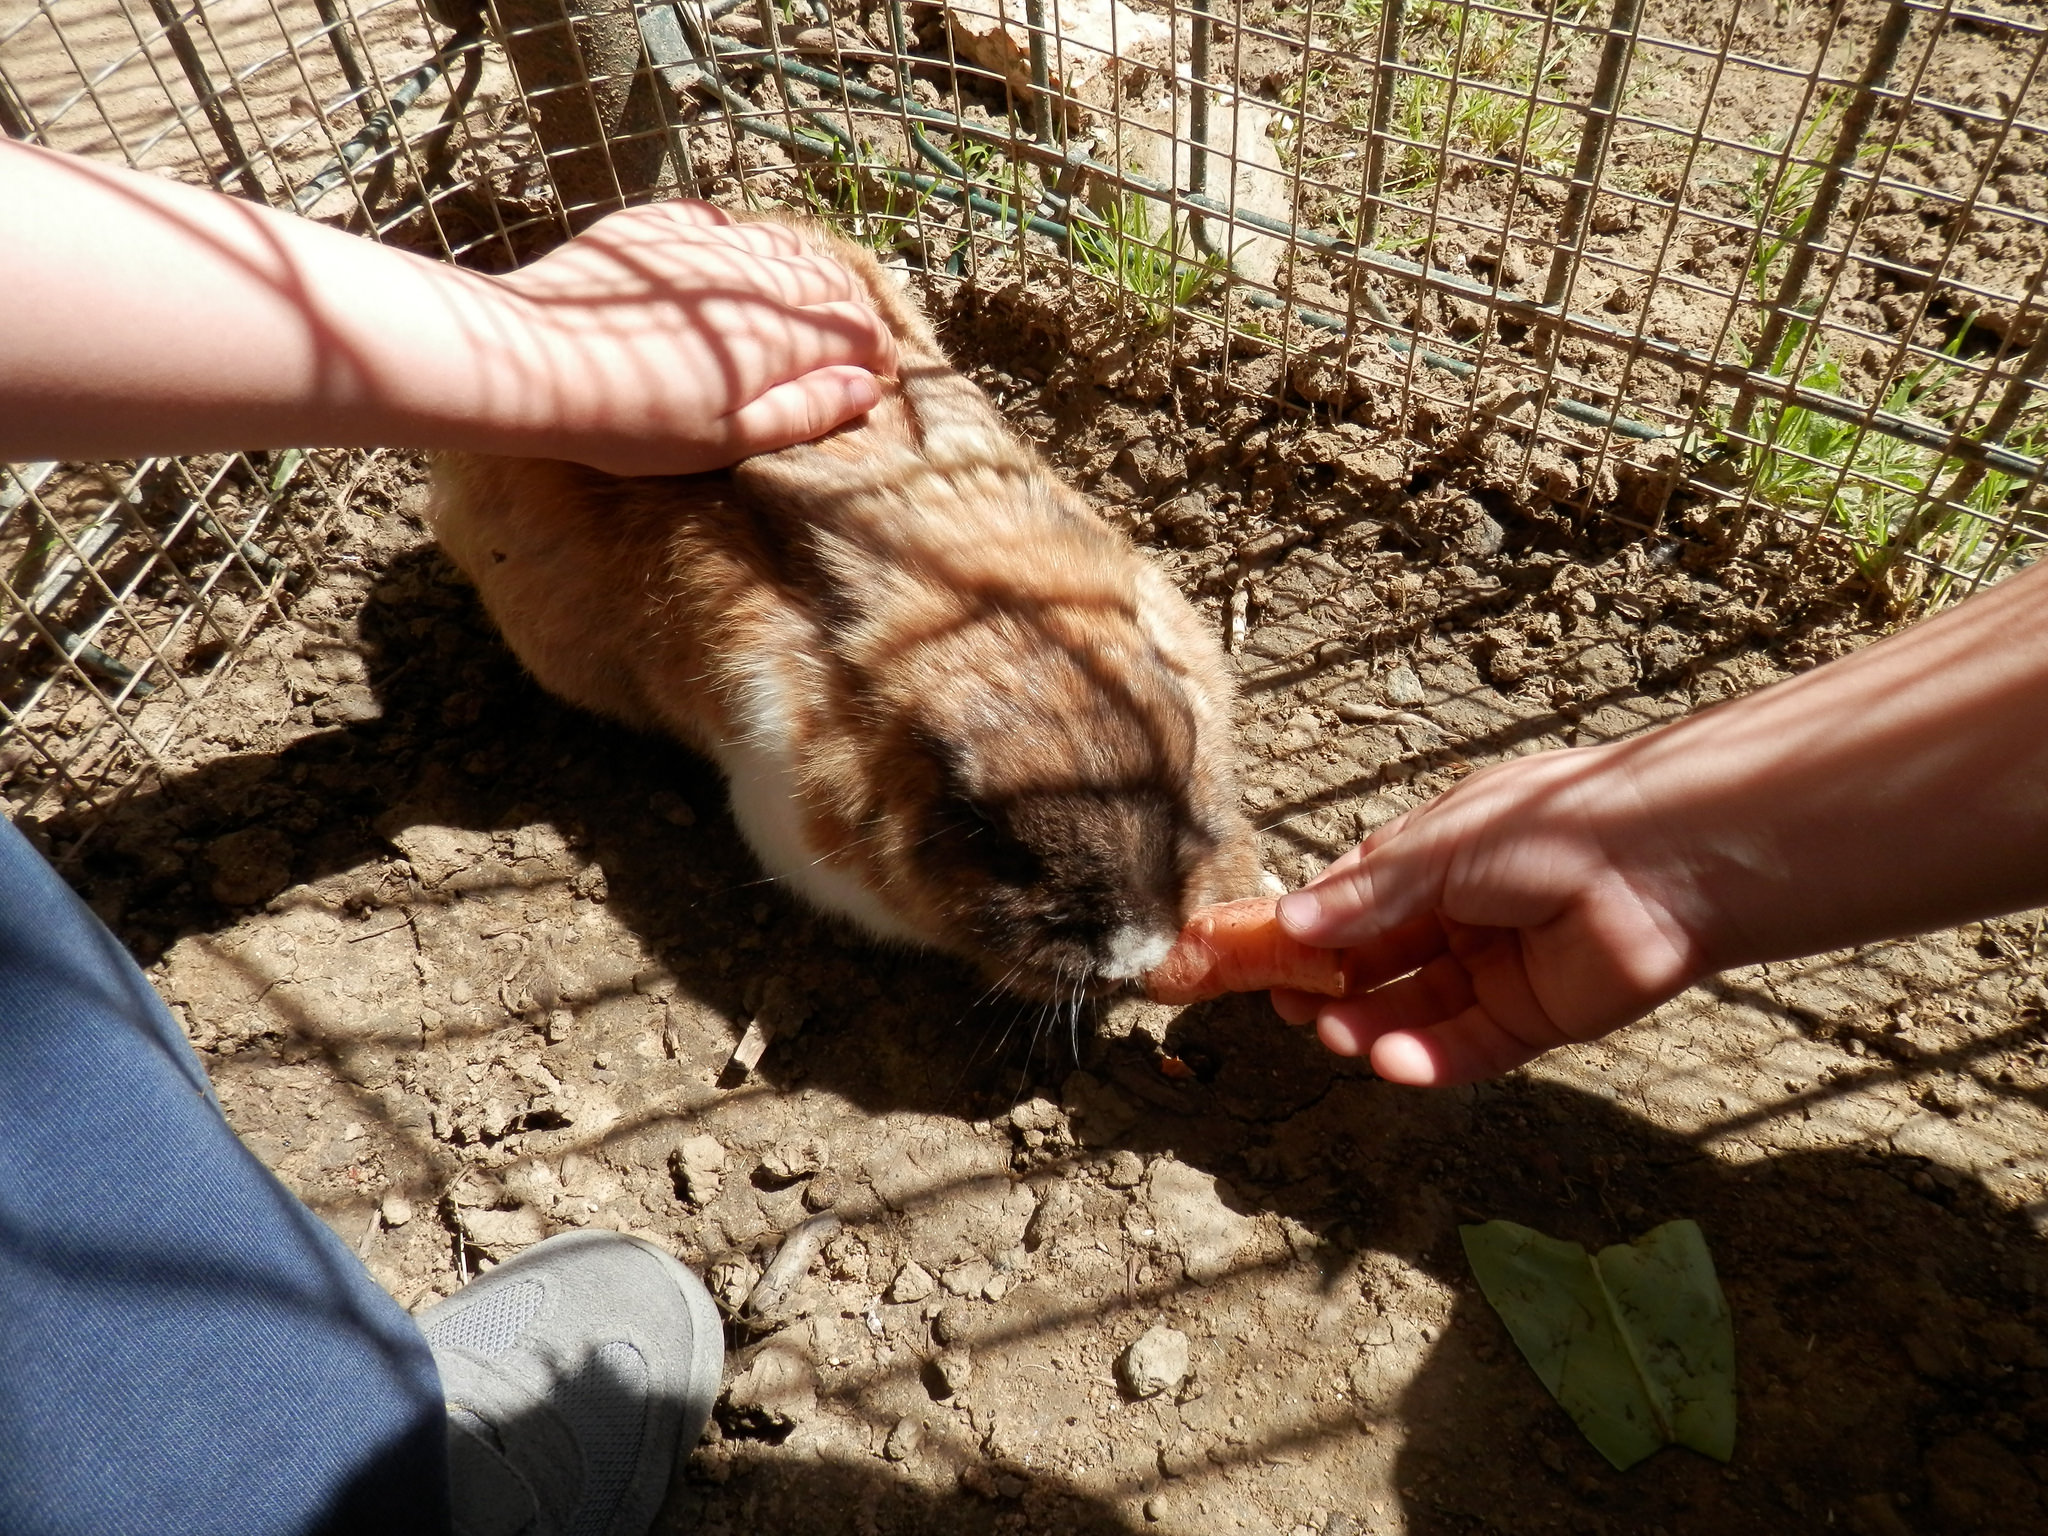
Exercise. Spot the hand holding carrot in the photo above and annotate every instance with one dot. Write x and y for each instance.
(1556, 897)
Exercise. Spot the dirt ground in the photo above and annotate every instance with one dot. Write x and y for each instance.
(468, 967)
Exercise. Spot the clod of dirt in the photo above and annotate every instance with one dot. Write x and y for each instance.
(1126, 1170)
(435, 853)
(1156, 1361)
(904, 1439)
(950, 1373)
(969, 1278)
(776, 1390)
(824, 1191)
(500, 1234)
(1037, 1115)
(1058, 1210)
(730, 1279)
(396, 1209)
(698, 1166)
(799, 1159)
(1189, 1210)
(913, 1282)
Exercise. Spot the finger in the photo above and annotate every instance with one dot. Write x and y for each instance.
(1503, 1025)
(1297, 1007)
(825, 334)
(1342, 864)
(1497, 961)
(1350, 1025)
(1380, 959)
(1357, 903)
(766, 345)
(1466, 1049)
(801, 409)
(692, 211)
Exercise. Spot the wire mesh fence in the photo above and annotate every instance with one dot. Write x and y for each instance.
(1780, 262)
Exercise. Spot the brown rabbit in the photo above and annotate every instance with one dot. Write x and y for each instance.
(952, 704)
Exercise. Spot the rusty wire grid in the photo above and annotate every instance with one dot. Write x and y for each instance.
(1778, 264)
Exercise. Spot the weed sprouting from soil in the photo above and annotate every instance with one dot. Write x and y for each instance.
(1474, 88)
(1159, 268)
(1886, 497)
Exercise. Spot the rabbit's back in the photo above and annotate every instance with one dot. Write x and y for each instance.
(953, 705)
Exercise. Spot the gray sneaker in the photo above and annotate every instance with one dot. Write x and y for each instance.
(575, 1374)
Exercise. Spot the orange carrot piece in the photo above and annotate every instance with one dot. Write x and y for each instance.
(1240, 946)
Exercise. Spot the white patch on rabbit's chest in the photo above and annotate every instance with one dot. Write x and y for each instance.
(761, 775)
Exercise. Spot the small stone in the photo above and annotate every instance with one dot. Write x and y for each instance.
(1126, 1170)
(904, 1439)
(913, 1282)
(1340, 1524)
(560, 1023)
(698, 1167)
(824, 1191)
(951, 1326)
(1401, 687)
(969, 1278)
(952, 1371)
(1155, 1508)
(1155, 1362)
(397, 1210)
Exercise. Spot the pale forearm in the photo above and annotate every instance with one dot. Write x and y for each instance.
(150, 317)
(139, 316)
(1900, 789)
(1562, 895)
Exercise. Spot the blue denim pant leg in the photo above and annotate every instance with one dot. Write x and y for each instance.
(184, 1347)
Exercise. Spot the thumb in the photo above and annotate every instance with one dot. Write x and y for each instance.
(1364, 895)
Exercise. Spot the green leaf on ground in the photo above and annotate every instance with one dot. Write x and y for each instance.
(1636, 1344)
